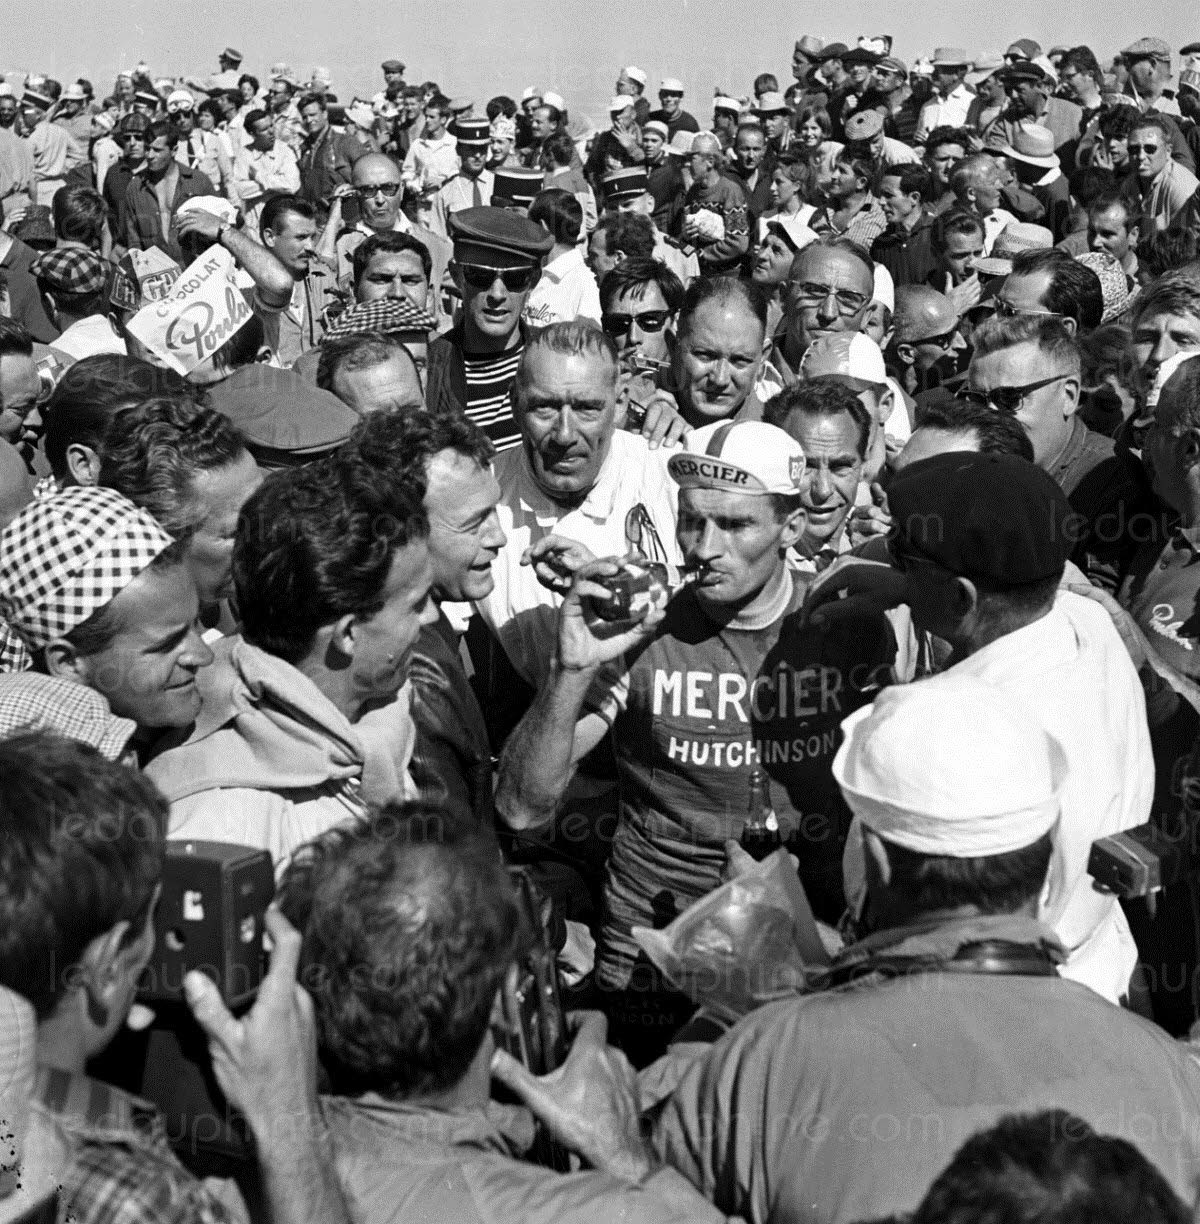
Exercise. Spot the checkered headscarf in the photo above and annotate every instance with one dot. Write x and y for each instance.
(66, 556)
(383, 315)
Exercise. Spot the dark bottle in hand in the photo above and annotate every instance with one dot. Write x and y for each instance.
(760, 833)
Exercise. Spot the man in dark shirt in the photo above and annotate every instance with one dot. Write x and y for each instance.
(327, 157)
(903, 248)
(671, 112)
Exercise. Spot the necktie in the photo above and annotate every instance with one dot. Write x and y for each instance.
(476, 198)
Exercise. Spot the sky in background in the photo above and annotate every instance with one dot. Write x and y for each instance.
(574, 47)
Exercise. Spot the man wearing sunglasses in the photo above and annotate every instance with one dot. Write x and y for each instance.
(498, 258)
(639, 300)
(1028, 366)
(1164, 186)
(926, 341)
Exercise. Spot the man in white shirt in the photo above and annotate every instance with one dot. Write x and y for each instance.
(471, 187)
(952, 99)
(265, 165)
(567, 287)
(575, 478)
(433, 156)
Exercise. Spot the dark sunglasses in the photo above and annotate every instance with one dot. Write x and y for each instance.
(1143, 148)
(367, 191)
(941, 340)
(516, 280)
(1006, 399)
(647, 321)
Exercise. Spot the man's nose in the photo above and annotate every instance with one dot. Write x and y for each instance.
(564, 426)
(827, 310)
(719, 372)
(957, 343)
(820, 486)
(196, 653)
(496, 291)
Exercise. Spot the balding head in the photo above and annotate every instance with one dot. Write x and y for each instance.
(381, 206)
(921, 311)
(706, 158)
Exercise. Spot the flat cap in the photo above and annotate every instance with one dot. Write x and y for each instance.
(671, 85)
(1193, 48)
(516, 185)
(392, 65)
(863, 125)
(723, 103)
(383, 316)
(810, 46)
(34, 97)
(861, 55)
(284, 418)
(835, 50)
(459, 106)
(635, 73)
(996, 519)
(1024, 48)
(1024, 70)
(473, 131)
(1147, 48)
(231, 53)
(624, 184)
(71, 269)
(890, 63)
(488, 234)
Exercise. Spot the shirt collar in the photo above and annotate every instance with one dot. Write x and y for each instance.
(1071, 451)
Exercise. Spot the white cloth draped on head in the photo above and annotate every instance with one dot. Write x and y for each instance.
(950, 766)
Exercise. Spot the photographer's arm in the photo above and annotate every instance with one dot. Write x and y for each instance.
(265, 1064)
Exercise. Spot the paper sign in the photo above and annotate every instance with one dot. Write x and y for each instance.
(203, 310)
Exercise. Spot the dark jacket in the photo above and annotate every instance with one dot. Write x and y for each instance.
(445, 374)
(325, 163)
(24, 299)
(143, 229)
(908, 256)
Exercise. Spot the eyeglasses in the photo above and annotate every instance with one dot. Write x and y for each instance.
(941, 340)
(813, 294)
(648, 321)
(1143, 148)
(371, 189)
(516, 280)
(1006, 399)
(1006, 310)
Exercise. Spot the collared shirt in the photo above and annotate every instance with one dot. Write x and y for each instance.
(456, 194)
(1169, 193)
(864, 227)
(16, 171)
(429, 163)
(121, 1167)
(257, 172)
(298, 326)
(406, 1161)
(804, 561)
(950, 111)
(567, 290)
(521, 612)
(54, 153)
(89, 337)
(206, 152)
(993, 223)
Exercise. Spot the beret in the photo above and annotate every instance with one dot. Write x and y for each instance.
(994, 518)
(498, 231)
(863, 125)
(282, 416)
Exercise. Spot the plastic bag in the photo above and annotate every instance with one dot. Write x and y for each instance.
(749, 941)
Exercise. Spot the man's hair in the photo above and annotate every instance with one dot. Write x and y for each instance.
(560, 213)
(862, 164)
(15, 341)
(765, 82)
(1049, 1168)
(847, 245)
(558, 148)
(409, 924)
(80, 215)
(313, 544)
(400, 446)
(280, 206)
(1162, 125)
(724, 291)
(307, 99)
(255, 116)
(994, 883)
(1049, 333)
(153, 452)
(358, 352)
(553, 112)
(912, 177)
(392, 243)
(753, 129)
(1176, 292)
(635, 275)
(996, 433)
(1074, 290)
(1088, 183)
(91, 393)
(165, 128)
(630, 233)
(954, 221)
(1163, 251)
(1083, 60)
(577, 338)
(501, 104)
(973, 171)
(82, 850)
(440, 103)
(826, 396)
(1118, 121)
(1115, 198)
(945, 135)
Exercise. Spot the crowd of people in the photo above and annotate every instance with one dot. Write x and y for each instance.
(455, 504)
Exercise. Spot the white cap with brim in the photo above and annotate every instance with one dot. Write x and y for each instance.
(671, 85)
(656, 125)
(722, 103)
(792, 229)
(950, 766)
(620, 102)
(749, 457)
(636, 74)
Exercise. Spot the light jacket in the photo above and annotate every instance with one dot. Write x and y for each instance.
(271, 763)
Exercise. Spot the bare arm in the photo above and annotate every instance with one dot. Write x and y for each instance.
(327, 245)
(273, 280)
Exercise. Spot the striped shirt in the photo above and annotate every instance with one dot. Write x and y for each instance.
(489, 399)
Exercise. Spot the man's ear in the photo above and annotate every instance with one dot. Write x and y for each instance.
(268, 238)
(964, 598)
(103, 971)
(1070, 388)
(793, 528)
(1072, 327)
(1189, 448)
(64, 660)
(343, 637)
(84, 464)
(877, 864)
(906, 352)
(50, 307)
